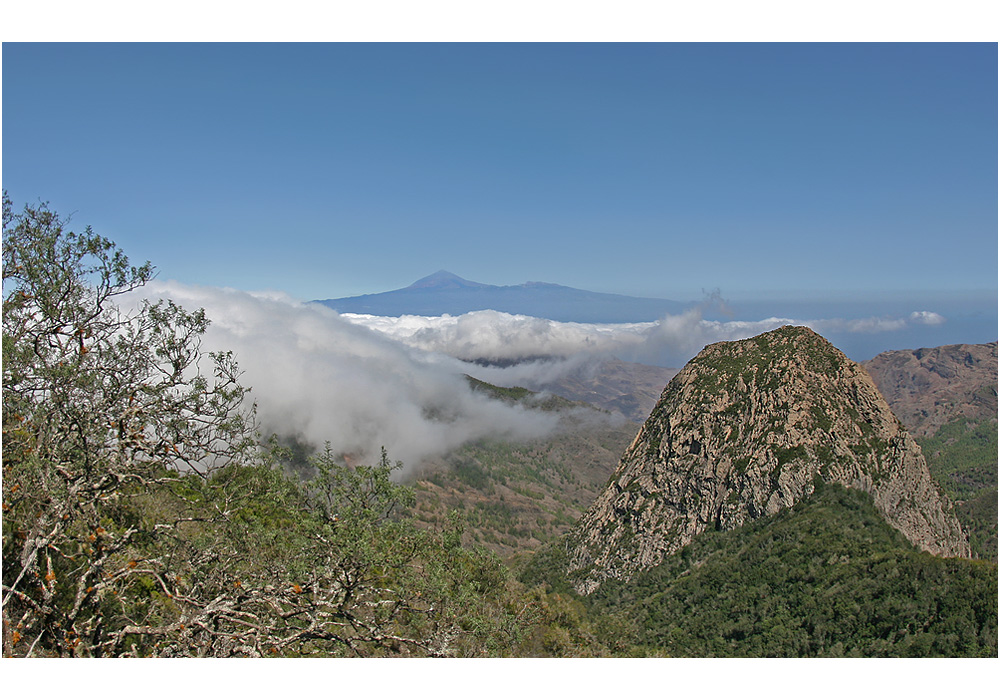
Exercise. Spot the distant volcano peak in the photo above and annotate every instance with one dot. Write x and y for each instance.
(446, 293)
(442, 279)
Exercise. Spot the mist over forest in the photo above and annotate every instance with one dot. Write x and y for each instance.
(363, 382)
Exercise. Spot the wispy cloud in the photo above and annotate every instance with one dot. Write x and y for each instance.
(928, 318)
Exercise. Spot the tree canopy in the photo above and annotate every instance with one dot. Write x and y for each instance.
(143, 516)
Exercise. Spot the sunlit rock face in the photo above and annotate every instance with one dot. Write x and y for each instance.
(745, 429)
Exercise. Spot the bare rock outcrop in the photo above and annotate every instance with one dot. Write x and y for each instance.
(744, 430)
(930, 386)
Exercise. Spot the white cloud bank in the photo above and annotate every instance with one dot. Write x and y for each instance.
(495, 335)
(363, 382)
(317, 375)
(501, 337)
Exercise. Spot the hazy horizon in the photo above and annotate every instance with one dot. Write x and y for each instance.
(645, 169)
(860, 325)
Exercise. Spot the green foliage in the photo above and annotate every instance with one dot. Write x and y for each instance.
(548, 566)
(471, 473)
(142, 519)
(561, 627)
(509, 394)
(791, 454)
(826, 578)
(103, 409)
(962, 458)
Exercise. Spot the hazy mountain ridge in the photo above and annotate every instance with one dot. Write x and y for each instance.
(742, 432)
(629, 388)
(446, 293)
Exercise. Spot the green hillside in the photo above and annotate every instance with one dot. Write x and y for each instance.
(513, 498)
(827, 577)
(962, 458)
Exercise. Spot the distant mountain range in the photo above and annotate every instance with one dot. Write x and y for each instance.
(447, 293)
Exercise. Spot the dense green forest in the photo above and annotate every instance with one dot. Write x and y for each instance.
(827, 577)
(962, 458)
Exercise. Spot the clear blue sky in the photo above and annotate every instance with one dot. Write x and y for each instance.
(648, 169)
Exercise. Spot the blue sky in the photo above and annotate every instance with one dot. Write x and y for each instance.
(789, 170)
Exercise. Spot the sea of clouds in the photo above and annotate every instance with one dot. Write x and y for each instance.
(498, 338)
(363, 382)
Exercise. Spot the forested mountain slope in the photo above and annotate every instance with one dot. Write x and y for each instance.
(948, 397)
(826, 577)
(142, 516)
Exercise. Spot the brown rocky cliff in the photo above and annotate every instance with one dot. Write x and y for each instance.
(742, 432)
(928, 387)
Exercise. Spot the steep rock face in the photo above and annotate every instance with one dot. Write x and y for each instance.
(928, 387)
(742, 432)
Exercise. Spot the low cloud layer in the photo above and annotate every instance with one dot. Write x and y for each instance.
(319, 376)
(499, 337)
(363, 382)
